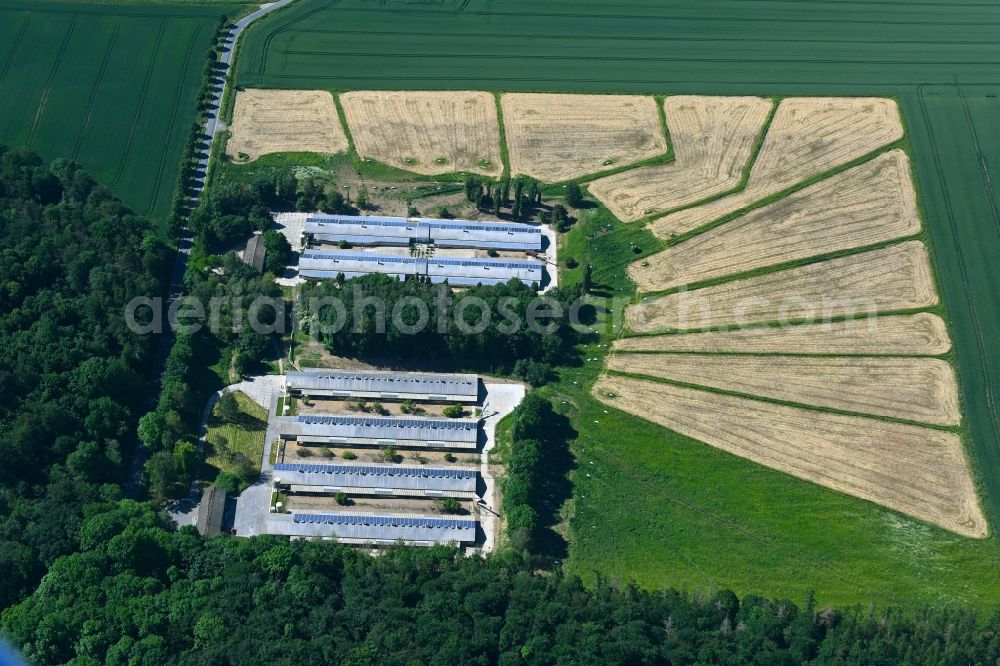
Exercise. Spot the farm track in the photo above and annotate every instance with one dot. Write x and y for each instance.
(577, 37)
(48, 83)
(136, 118)
(178, 93)
(575, 57)
(984, 171)
(94, 90)
(657, 18)
(13, 49)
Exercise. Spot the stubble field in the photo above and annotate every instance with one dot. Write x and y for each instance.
(921, 334)
(897, 277)
(274, 121)
(560, 137)
(713, 139)
(426, 132)
(869, 204)
(806, 137)
(915, 389)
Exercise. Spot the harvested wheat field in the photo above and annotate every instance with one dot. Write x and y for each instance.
(808, 136)
(426, 132)
(276, 121)
(555, 137)
(713, 138)
(921, 334)
(919, 471)
(897, 277)
(871, 203)
(911, 389)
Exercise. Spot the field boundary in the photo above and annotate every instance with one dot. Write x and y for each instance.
(502, 129)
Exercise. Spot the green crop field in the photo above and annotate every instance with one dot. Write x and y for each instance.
(655, 506)
(111, 86)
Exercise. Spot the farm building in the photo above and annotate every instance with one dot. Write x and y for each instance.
(380, 431)
(361, 230)
(253, 253)
(470, 272)
(377, 480)
(211, 511)
(382, 385)
(328, 264)
(351, 528)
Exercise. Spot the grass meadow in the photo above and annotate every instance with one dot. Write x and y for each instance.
(246, 436)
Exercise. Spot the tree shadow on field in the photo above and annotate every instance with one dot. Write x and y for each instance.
(555, 489)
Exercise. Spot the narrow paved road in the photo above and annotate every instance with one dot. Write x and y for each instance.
(213, 125)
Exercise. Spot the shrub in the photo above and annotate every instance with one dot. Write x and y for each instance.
(574, 195)
(341, 499)
(571, 262)
(449, 457)
(228, 407)
(305, 453)
(535, 373)
(448, 505)
(453, 411)
(228, 482)
(349, 455)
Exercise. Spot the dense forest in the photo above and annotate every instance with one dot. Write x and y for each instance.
(87, 577)
(139, 594)
(71, 373)
(484, 327)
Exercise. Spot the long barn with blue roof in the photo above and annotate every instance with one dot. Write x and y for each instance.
(401, 231)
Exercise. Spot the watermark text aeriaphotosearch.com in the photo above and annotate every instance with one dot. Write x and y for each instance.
(410, 315)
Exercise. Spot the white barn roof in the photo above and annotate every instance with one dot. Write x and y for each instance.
(338, 476)
(385, 384)
(380, 430)
(327, 264)
(374, 529)
(384, 230)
